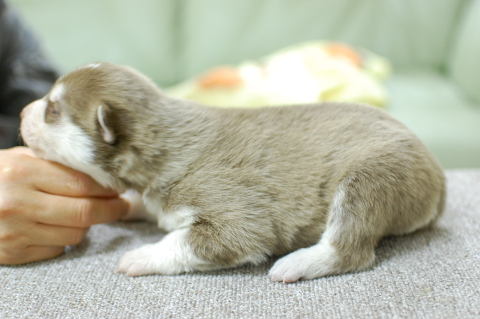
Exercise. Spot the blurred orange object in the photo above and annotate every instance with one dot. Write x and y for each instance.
(336, 49)
(220, 77)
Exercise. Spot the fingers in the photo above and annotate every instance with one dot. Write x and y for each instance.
(57, 179)
(45, 206)
(47, 235)
(78, 212)
(22, 150)
(49, 239)
(18, 164)
(30, 254)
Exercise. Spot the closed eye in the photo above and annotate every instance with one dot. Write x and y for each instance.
(51, 108)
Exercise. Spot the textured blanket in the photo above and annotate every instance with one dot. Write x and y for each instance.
(431, 274)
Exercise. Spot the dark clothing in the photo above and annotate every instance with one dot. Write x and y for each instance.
(25, 74)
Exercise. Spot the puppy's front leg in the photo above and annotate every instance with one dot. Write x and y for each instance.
(170, 256)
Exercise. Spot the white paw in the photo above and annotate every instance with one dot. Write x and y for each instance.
(306, 263)
(290, 268)
(139, 262)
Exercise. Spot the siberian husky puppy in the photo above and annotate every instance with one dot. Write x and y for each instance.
(320, 184)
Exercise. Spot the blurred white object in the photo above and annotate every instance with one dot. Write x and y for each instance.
(303, 73)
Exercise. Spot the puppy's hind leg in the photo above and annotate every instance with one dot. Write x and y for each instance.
(347, 244)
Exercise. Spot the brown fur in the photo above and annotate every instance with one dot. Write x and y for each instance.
(263, 181)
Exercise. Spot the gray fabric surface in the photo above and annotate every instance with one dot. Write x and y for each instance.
(430, 274)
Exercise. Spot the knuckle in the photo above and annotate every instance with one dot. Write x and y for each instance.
(9, 258)
(9, 238)
(77, 236)
(11, 171)
(7, 207)
(85, 213)
(78, 183)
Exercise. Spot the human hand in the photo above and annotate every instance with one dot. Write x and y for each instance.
(45, 206)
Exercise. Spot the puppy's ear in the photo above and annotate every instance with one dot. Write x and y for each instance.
(106, 130)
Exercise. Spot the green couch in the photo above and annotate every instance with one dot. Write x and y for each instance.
(434, 47)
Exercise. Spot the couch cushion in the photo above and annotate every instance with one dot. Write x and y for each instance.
(172, 40)
(465, 59)
(440, 114)
(137, 33)
(410, 33)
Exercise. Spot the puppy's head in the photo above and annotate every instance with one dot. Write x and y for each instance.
(90, 116)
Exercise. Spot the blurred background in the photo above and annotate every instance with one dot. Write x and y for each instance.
(433, 48)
